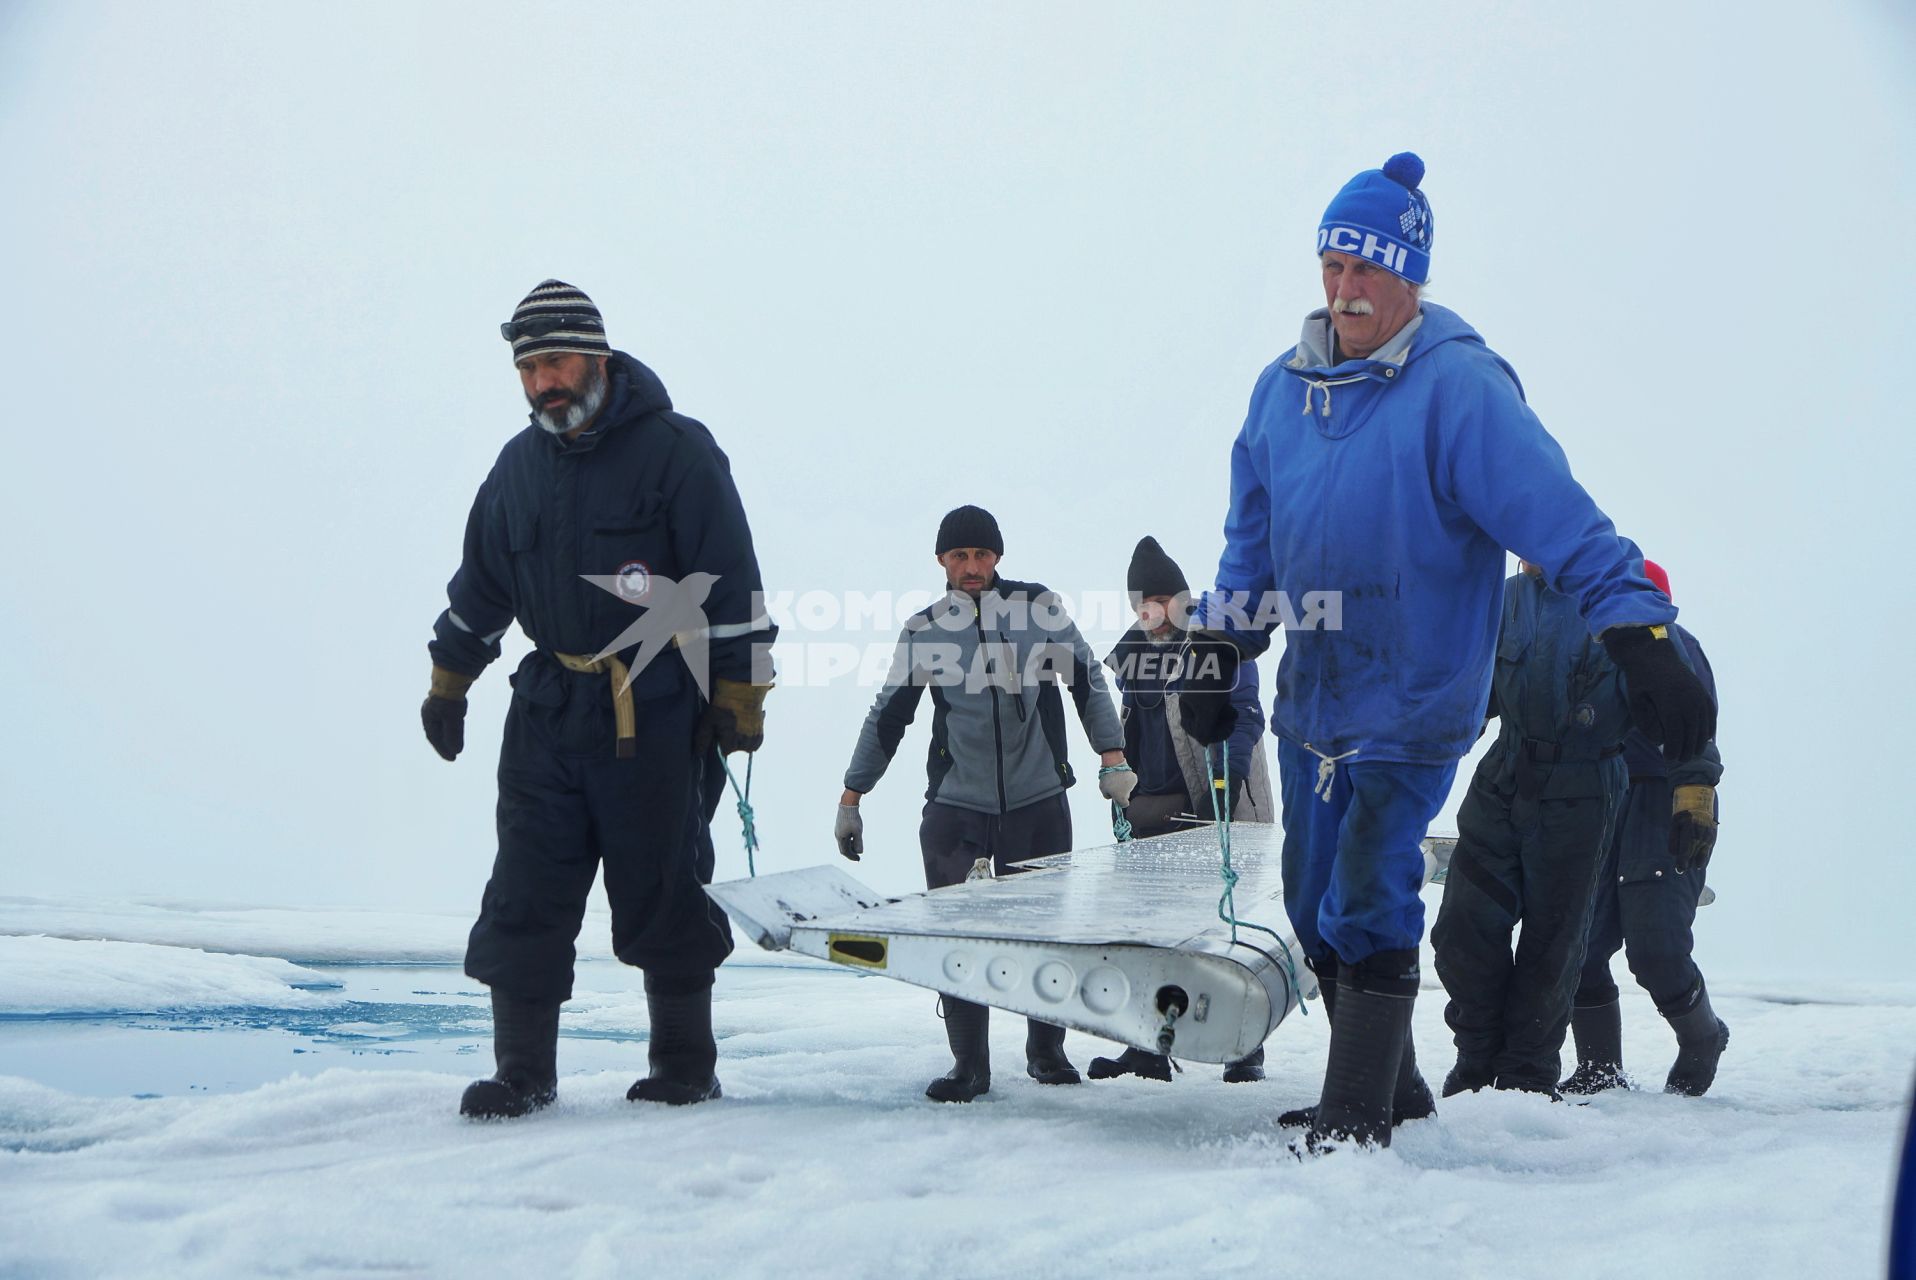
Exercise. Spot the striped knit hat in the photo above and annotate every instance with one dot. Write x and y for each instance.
(556, 317)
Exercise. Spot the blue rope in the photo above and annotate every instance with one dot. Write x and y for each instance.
(1120, 825)
(1227, 904)
(745, 816)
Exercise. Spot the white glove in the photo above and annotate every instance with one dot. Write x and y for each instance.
(850, 831)
(1117, 782)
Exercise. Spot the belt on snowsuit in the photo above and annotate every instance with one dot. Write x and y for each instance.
(623, 718)
(1552, 752)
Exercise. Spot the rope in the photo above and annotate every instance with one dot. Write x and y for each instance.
(746, 818)
(1227, 904)
(1120, 825)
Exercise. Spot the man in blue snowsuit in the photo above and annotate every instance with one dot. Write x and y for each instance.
(1647, 893)
(1531, 837)
(611, 531)
(1385, 463)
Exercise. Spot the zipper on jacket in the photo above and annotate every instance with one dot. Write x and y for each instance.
(997, 732)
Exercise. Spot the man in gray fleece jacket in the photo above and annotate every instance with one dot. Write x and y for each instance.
(992, 652)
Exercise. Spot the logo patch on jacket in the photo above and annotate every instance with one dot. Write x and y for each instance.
(633, 581)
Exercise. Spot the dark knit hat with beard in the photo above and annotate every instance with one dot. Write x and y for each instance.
(1153, 573)
(969, 527)
(556, 317)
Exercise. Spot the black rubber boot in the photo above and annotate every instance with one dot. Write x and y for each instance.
(1410, 1100)
(1369, 1025)
(525, 1049)
(1701, 1039)
(1044, 1055)
(1598, 1032)
(1248, 1069)
(682, 1055)
(967, 1028)
(1132, 1062)
(1468, 1076)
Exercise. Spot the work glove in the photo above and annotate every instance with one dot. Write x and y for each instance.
(1692, 827)
(734, 718)
(1204, 688)
(444, 712)
(1667, 701)
(850, 831)
(1116, 782)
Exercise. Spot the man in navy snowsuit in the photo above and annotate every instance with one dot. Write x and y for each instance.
(1385, 463)
(1647, 894)
(611, 531)
(1531, 837)
(1176, 776)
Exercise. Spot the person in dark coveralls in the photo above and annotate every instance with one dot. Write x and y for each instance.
(1647, 894)
(1176, 775)
(1531, 837)
(611, 531)
(992, 652)
(1386, 461)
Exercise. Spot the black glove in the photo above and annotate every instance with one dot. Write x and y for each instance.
(444, 712)
(1667, 701)
(1204, 689)
(1692, 827)
(445, 720)
(1237, 794)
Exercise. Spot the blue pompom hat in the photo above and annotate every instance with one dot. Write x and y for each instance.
(1381, 216)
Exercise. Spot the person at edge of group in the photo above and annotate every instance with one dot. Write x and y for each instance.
(1648, 890)
(1531, 839)
(992, 652)
(1177, 778)
(1389, 457)
(608, 757)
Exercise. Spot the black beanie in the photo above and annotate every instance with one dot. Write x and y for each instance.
(969, 527)
(1153, 573)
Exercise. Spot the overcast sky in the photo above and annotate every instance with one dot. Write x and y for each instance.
(898, 257)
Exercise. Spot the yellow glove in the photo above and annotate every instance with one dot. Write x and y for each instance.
(1692, 827)
(734, 718)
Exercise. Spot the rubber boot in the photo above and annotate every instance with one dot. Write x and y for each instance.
(1468, 1076)
(1044, 1054)
(525, 1050)
(1248, 1069)
(967, 1028)
(1132, 1062)
(1410, 1100)
(682, 1055)
(1598, 1032)
(1369, 1026)
(1701, 1039)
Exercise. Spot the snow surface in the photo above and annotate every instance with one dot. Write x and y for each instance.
(59, 976)
(823, 1158)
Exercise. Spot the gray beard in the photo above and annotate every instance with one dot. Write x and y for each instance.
(579, 412)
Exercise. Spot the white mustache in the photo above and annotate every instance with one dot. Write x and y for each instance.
(1353, 307)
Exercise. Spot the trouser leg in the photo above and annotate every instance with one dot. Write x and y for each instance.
(1311, 826)
(1563, 851)
(1483, 900)
(648, 822)
(535, 899)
